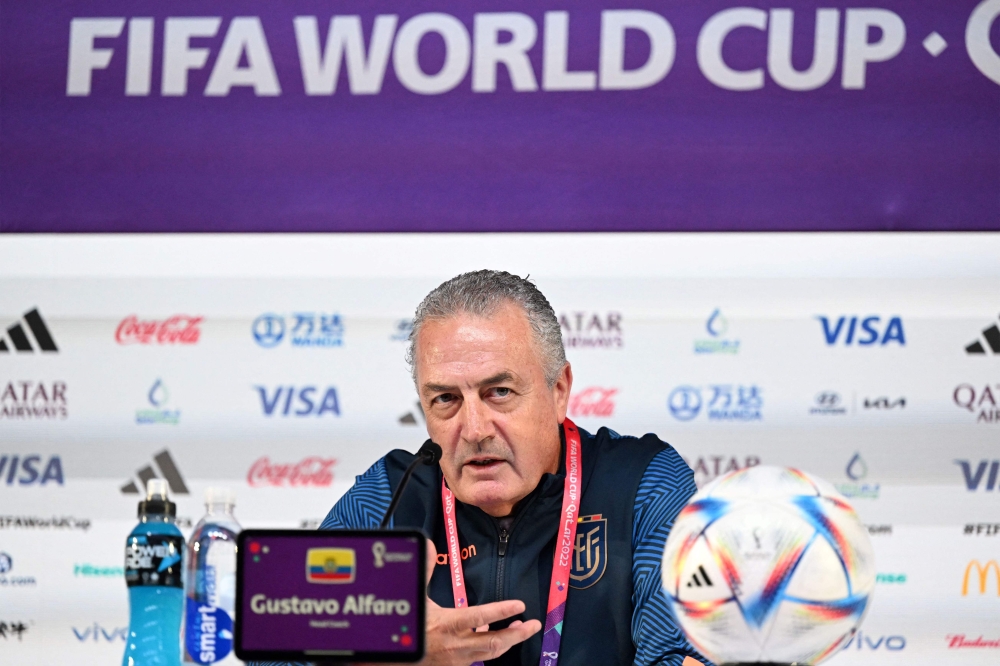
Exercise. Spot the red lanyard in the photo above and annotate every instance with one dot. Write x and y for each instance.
(561, 559)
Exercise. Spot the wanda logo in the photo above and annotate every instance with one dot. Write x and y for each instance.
(312, 471)
(593, 401)
(179, 329)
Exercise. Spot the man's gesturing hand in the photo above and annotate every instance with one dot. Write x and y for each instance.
(461, 636)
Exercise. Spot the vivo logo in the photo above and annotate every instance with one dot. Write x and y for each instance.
(99, 634)
(301, 401)
(864, 642)
(863, 331)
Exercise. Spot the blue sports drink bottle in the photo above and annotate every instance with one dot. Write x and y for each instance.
(154, 560)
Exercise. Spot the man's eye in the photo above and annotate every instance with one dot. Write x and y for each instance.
(444, 398)
(501, 392)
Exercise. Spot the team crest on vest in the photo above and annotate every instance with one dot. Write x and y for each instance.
(590, 552)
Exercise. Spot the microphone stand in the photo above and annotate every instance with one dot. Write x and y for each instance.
(428, 454)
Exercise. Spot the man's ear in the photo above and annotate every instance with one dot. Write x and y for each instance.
(561, 390)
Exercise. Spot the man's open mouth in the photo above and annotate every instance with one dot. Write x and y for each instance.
(485, 462)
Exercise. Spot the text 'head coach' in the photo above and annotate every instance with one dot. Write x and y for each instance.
(518, 484)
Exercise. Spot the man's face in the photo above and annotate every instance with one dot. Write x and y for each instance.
(482, 386)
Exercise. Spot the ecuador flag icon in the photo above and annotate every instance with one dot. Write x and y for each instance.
(330, 565)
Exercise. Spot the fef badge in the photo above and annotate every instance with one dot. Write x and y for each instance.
(590, 552)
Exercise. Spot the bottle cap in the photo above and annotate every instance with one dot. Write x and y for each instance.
(156, 489)
(156, 501)
(215, 496)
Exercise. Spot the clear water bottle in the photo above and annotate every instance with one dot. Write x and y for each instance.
(154, 560)
(211, 583)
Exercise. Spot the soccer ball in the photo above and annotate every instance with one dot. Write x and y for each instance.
(769, 565)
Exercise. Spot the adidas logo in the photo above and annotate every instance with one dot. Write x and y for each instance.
(167, 468)
(411, 418)
(18, 336)
(992, 335)
(702, 581)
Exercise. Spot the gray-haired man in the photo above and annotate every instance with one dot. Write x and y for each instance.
(578, 552)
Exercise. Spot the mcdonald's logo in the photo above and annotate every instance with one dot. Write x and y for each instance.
(983, 570)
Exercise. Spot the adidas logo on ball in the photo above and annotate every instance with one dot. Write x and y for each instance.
(702, 581)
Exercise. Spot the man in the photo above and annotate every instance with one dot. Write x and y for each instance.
(487, 358)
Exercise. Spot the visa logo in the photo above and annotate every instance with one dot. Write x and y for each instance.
(304, 401)
(973, 479)
(30, 470)
(330, 565)
(98, 634)
(864, 331)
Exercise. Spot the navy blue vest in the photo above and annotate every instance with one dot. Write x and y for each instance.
(597, 627)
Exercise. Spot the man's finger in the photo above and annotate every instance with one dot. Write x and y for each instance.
(464, 619)
(493, 644)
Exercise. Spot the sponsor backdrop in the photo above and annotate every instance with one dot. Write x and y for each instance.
(274, 366)
(499, 115)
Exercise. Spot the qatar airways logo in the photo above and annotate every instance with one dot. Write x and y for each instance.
(313, 472)
(533, 49)
(175, 330)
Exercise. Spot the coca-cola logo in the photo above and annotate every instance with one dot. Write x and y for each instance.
(178, 329)
(593, 401)
(312, 471)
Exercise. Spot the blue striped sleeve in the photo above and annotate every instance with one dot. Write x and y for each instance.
(361, 507)
(665, 488)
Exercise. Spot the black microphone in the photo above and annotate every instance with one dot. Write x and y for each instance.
(428, 454)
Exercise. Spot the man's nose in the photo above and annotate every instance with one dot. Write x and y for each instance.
(477, 420)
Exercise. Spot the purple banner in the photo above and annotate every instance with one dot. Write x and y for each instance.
(437, 115)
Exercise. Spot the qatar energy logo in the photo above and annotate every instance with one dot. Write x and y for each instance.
(718, 343)
(158, 411)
